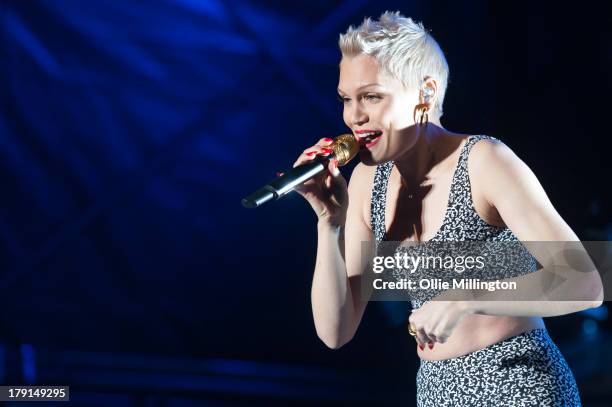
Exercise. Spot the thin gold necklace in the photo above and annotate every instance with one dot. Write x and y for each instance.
(410, 195)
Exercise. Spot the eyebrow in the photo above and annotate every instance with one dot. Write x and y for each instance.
(361, 87)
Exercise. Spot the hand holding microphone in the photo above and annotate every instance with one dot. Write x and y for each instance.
(325, 191)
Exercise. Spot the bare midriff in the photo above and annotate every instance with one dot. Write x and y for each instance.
(476, 332)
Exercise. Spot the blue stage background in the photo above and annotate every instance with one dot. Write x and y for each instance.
(129, 132)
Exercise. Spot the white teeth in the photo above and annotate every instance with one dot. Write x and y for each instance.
(365, 135)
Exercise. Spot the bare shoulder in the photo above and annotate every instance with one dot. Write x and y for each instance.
(362, 174)
(492, 152)
(492, 165)
(492, 158)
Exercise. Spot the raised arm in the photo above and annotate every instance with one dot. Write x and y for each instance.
(337, 303)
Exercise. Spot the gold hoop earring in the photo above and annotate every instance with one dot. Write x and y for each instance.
(423, 117)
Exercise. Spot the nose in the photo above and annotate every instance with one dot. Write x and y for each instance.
(358, 116)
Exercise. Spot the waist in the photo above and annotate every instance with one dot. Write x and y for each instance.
(477, 332)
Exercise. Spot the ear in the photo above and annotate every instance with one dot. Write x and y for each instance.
(429, 91)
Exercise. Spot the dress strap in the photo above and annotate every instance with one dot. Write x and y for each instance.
(461, 187)
(460, 198)
(379, 199)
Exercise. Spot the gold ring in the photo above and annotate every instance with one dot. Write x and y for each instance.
(411, 330)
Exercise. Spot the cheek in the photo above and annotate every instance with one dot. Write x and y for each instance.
(400, 117)
(386, 116)
(345, 117)
(378, 113)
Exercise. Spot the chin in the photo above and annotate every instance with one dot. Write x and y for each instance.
(369, 159)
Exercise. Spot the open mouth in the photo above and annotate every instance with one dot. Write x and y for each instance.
(369, 139)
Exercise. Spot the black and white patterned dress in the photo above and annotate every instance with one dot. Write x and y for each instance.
(525, 370)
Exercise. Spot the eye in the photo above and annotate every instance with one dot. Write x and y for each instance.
(372, 96)
(342, 99)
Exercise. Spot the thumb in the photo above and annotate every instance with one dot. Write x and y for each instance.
(337, 183)
(333, 168)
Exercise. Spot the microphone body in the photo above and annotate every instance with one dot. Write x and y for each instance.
(285, 183)
(344, 147)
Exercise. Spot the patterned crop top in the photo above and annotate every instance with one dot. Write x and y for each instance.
(461, 224)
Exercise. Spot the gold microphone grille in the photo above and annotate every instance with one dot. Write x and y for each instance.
(345, 147)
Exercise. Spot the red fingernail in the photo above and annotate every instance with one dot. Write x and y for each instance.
(431, 345)
(327, 150)
(311, 153)
(421, 346)
(328, 139)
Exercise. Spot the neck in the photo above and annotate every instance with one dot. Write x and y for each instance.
(427, 152)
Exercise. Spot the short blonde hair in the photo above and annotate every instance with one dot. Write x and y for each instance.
(403, 49)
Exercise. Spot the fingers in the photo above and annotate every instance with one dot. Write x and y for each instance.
(337, 183)
(321, 148)
(428, 338)
(441, 338)
(424, 337)
(325, 142)
(332, 181)
(332, 167)
(311, 153)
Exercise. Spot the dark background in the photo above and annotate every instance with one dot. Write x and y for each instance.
(130, 130)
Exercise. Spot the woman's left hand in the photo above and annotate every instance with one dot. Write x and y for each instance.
(436, 320)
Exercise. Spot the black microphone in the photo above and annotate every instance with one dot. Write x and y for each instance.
(344, 147)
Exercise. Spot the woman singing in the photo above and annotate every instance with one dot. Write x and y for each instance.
(419, 182)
